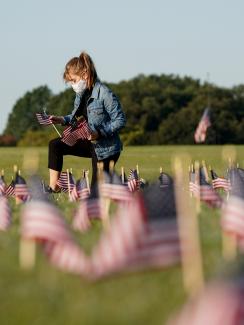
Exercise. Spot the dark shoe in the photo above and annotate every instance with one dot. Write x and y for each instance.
(48, 190)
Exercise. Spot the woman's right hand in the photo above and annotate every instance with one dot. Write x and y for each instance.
(57, 119)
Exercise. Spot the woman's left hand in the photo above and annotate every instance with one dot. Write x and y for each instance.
(94, 136)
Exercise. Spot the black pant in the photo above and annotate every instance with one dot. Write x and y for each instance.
(82, 148)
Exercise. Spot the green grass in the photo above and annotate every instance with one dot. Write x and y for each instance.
(45, 295)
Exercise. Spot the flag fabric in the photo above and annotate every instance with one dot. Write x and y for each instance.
(62, 181)
(41, 221)
(10, 191)
(201, 130)
(221, 303)
(20, 188)
(232, 219)
(87, 210)
(112, 188)
(71, 135)
(194, 188)
(164, 180)
(133, 181)
(5, 214)
(2, 185)
(143, 234)
(219, 182)
(207, 193)
(80, 191)
(43, 119)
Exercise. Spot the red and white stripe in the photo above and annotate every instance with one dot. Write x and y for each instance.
(115, 192)
(87, 210)
(43, 222)
(5, 214)
(221, 183)
(43, 119)
(70, 136)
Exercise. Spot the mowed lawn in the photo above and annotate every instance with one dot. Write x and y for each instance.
(45, 295)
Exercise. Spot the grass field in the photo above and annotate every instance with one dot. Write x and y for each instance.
(48, 296)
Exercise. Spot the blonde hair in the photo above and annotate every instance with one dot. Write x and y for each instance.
(80, 65)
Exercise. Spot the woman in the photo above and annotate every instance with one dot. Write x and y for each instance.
(100, 107)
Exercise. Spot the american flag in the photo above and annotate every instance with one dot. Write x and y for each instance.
(2, 185)
(81, 190)
(71, 135)
(43, 119)
(113, 188)
(20, 188)
(87, 210)
(221, 303)
(164, 180)
(207, 193)
(194, 187)
(219, 182)
(41, 221)
(143, 234)
(5, 213)
(201, 130)
(133, 181)
(9, 191)
(233, 210)
(63, 182)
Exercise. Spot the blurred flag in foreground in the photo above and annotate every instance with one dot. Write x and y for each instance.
(201, 130)
(143, 234)
(42, 222)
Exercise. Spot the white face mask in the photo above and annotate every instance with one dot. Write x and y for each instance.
(79, 87)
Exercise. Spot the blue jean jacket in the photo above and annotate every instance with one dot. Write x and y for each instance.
(105, 116)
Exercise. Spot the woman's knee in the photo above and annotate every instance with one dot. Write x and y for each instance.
(54, 144)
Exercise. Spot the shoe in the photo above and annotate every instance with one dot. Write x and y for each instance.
(48, 190)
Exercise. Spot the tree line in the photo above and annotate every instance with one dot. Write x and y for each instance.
(160, 109)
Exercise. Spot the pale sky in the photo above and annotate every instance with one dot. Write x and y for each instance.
(124, 38)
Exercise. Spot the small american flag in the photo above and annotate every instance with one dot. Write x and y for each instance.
(194, 188)
(113, 188)
(5, 213)
(71, 135)
(20, 189)
(9, 191)
(2, 185)
(63, 181)
(88, 209)
(133, 181)
(41, 221)
(201, 130)
(219, 182)
(233, 210)
(164, 180)
(207, 194)
(81, 190)
(143, 234)
(43, 119)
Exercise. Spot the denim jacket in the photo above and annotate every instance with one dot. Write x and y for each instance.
(105, 116)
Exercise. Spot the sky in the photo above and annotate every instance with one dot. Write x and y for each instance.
(125, 38)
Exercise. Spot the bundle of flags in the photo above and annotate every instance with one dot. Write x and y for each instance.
(72, 134)
(204, 124)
